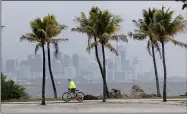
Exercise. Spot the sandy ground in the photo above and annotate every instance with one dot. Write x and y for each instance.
(111, 106)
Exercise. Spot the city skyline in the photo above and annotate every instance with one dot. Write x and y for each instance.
(72, 66)
(78, 42)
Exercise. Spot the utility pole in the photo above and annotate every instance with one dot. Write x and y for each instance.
(0, 55)
(1, 49)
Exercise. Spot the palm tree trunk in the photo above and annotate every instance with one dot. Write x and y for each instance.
(50, 71)
(104, 71)
(156, 73)
(165, 75)
(101, 69)
(43, 82)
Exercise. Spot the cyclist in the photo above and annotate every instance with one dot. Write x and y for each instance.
(72, 87)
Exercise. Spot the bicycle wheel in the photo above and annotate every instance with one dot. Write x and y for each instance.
(66, 97)
(80, 96)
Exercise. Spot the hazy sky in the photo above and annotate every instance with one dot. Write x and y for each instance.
(17, 15)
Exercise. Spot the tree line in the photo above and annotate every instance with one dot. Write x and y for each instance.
(101, 27)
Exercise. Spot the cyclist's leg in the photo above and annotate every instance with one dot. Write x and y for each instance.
(73, 92)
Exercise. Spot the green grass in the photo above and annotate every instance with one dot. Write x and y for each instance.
(32, 100)
(170, 97)
(60, 99)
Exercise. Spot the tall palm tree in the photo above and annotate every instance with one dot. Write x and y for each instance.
(144, 30)
(38, 27)
(184, 5)
(54, 29)
(106, 26)
(86, 26)
(165, 27)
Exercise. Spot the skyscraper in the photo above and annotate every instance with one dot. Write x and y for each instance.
(10, 66)
(38, 64)
(76, 63)
(66, 60)
(121, 59)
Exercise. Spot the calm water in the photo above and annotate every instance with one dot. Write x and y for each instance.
(173, 88)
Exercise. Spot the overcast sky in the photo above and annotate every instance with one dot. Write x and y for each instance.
(17, 15)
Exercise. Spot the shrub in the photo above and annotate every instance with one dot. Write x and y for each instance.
(115, 93)
(138, 92)
(11, 90)
(145, 95)
(90, 97)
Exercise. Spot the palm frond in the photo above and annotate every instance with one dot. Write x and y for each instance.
(78, 29)
(120, 37)
(92, 45)
(58, 40)
(89, 41)
(178, 43)
(37, 47)
(29, 37)
(111, 48)
(149, 44)
(56, 48)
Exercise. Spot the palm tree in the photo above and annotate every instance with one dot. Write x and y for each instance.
(106, 26)
(184, 5)
(144, 30)
(86, 25)
(38, 27)
(165, 27)
(54, 29)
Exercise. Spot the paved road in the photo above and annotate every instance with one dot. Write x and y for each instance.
(121, 106)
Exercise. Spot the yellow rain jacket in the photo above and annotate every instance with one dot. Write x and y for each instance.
(72, 85)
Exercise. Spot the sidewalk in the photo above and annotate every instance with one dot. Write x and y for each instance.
(97, 106)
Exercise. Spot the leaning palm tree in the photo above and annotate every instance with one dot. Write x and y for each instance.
(53, 30)
(38, 27)
(106, 26)
(144, 30)
(165, 27)
(86, 26)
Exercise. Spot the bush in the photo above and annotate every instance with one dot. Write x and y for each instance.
(138, 92)
(90, 97)
(145, 95)
(115, 93)
(11, 90)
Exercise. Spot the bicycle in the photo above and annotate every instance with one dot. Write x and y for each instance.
(67, 96)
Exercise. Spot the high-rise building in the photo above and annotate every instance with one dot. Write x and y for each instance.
(23, 73)
(70, 72)
(109, 75)
(59, 56)
(57, 68)
(119, 76)
(38, 64)
(84, 63)
(121, 60)
(109, 64)
(66, 60)
(31, 63)
(76, 63)
(10, 66)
